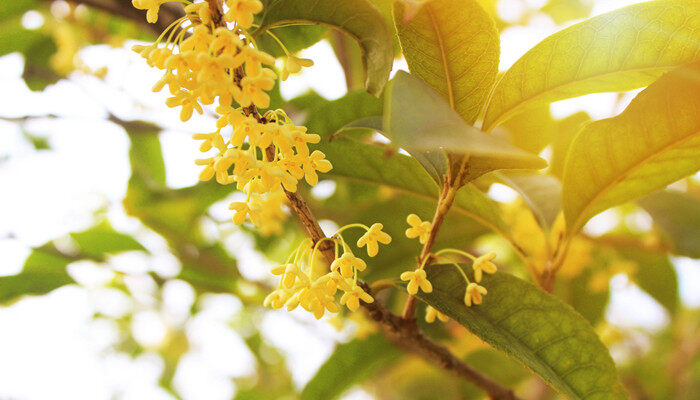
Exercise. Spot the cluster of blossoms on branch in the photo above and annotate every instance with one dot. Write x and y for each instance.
(206, 62)
(210, 58)
(314, 285)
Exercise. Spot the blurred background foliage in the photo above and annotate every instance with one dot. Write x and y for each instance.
(655, 364)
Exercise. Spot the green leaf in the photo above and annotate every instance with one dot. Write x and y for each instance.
(351, 363)
(295, 39)
(16, 8)
(38, 72)
(618, 51)
(587, 297)
(533, 327)
(655, 275)
(418, 119)
(653, 143)
(145, 154)
(497, 366)
(370, 164)
(677, 215)
(328, 117)
(453, 46)
(542, 193)
(359, 19)
(102, 239)
(43, 271)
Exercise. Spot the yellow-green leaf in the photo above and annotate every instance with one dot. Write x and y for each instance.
(453, 46)
(653, 143)
(618, 51)
(533, 327)
(417, 119)
(358, 18)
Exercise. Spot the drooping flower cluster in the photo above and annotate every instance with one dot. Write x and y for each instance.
(307, 282)
(216, 61)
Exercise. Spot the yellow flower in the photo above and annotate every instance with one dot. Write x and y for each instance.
(300, 140)
(352, 298)
(253, 60)
(151, 5)
(346, 263)
(473, 294)
(225, 41)
(292, 65)
(277, 298)
(419, 229)
(334, 281)
(241, 12)
(252, 90)
(187, 101)
(417, 279)
(210, 140)
(201, 10)
(431, 313)
(484, 264)
(316, 162)
(208, 171)
(371, 237)
(290, 273)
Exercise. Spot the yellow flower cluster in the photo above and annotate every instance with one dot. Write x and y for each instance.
(314, 287)
(260, 154)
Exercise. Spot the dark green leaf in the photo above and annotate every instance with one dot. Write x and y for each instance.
(533, 327)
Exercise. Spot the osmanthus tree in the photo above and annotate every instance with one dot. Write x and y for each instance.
(419, 240)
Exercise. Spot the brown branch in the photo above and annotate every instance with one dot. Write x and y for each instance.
(123, 8)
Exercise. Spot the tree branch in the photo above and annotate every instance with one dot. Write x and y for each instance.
(123, 8)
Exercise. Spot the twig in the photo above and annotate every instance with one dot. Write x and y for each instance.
(447, 198)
